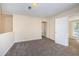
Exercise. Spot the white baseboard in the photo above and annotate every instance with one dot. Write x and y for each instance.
(27, 40)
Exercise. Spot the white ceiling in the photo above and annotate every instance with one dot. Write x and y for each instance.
(42, 10)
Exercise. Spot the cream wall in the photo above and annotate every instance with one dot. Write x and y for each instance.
(72, 14)
(27, 28)
(51, 28)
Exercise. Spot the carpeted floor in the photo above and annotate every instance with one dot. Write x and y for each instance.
(42, 47)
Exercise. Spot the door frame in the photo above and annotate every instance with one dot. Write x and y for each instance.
(45, 28)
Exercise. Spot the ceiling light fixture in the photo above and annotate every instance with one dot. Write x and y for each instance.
(34, 5)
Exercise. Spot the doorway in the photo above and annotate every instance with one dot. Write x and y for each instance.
(44, 29)
(74, 35)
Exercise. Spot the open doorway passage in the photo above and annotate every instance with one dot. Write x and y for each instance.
(74, 35)
(44, 29)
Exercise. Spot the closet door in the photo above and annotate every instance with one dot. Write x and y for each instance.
(61, 31)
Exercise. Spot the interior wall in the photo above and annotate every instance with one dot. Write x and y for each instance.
(61, 31)
(51, 28)
(27, 28)
(72, 14)
(6, 42)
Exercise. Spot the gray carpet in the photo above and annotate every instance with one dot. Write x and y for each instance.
(42, 47)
